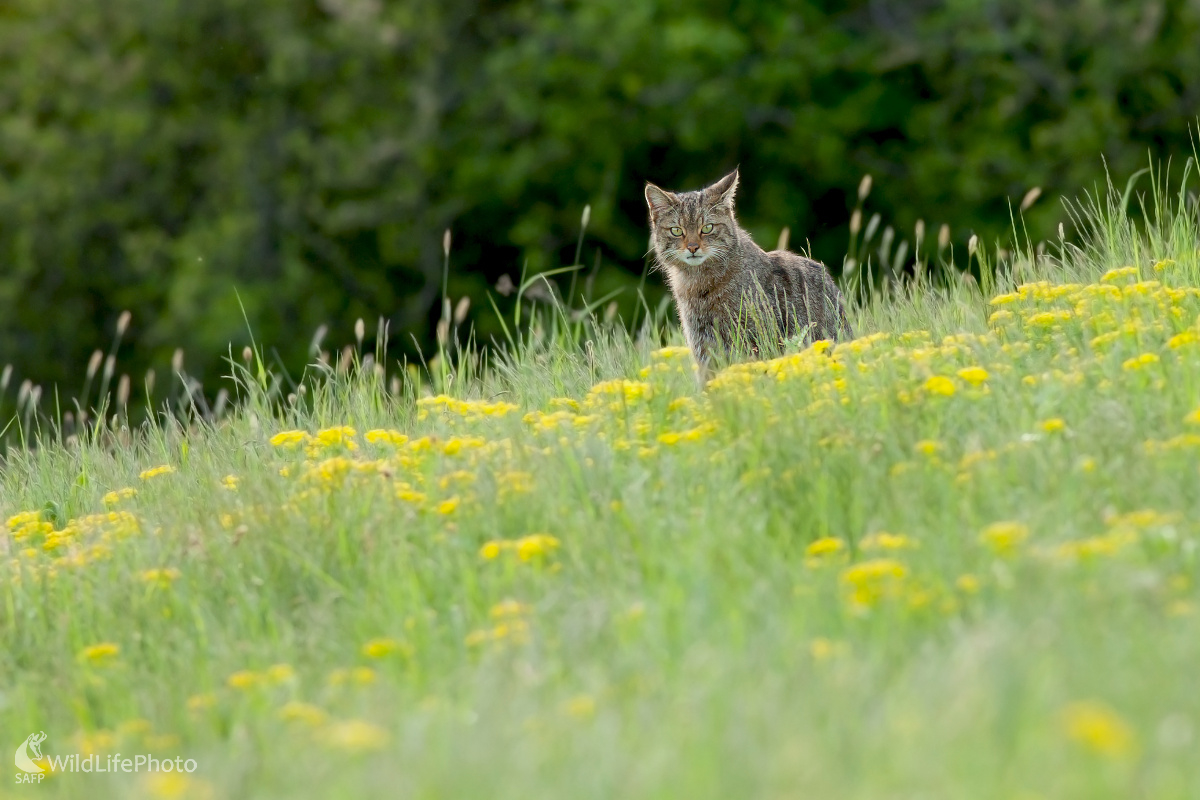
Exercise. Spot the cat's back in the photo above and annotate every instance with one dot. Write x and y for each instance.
(808, 287)
(794, 274)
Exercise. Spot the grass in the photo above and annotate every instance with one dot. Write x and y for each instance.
(956, 558)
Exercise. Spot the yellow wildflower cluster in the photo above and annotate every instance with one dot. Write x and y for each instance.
(451, 408)
(154, 472)
(1097, 728)
(870, 582)
(617, 395)
(511, 624)
(116, 496)
(161, 578)
(99, 654)
(527, 548)
(81, 541)
(384, 646)
(274, 675)
(1003, 538)
(28, 525)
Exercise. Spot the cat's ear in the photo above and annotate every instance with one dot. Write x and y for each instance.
(659, 200)
(721, 193)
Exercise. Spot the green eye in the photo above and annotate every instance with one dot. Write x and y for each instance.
(707, 228)
(677, 231)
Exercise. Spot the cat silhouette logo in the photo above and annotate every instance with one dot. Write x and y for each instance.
(31, 746)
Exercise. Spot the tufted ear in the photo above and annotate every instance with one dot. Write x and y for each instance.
(720, 194)
(659, 200)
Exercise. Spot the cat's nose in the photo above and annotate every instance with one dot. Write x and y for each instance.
(692, 248)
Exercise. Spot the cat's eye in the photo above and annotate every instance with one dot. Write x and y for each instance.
(677, 231)
(707, 228)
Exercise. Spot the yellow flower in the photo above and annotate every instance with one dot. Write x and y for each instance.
(581, 706)
(230, 482)
(1047, 319)
(927, 446)
(516, 630)
(406, 493)
(973, 375)
(116, 496)
(1180, 608)
(1053, 425)
(968, 584)
(476, 638)
(162, 577)
(449, 506)
(514, 482)
(1193, 418)
(888, 541)
(172, 786)
(940, 384)
(1002, 538)
(1165, 264)
(381, 647)
(1117, 274)
(29, 525)
(618, 393)
(1107, 544)
(243, 680)
(100, 654)
(670, 353)
(307, 713)
(23, 518)
(289, 439)
(508, 608)
(342, 435)
(1098, 729)
(824, 548)
(823, 649)
(491, 550)
(535, 545)
(1137, 362)
(1003, 299)
(869, 582)
(134, 727)
(358, 676)
(459, 443)
(1181, 339)
(355, 736)
(161, 741)
(97, 742)
(1001, 317)
(277, 674)
(154, 472)
(201, 702)
(389, 437)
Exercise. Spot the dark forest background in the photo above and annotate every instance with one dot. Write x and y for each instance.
(159, 155)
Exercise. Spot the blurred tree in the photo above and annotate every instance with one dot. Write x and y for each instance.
(156, 155)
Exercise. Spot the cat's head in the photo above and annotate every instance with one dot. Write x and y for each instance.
(688, 228)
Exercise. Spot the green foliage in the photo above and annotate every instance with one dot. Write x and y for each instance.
(158, 155)
(972, 533)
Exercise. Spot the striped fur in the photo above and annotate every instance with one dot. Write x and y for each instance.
(733, 298)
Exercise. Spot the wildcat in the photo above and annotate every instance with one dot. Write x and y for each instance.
(731, 294)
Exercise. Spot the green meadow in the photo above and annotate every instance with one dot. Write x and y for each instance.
(953, 558)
